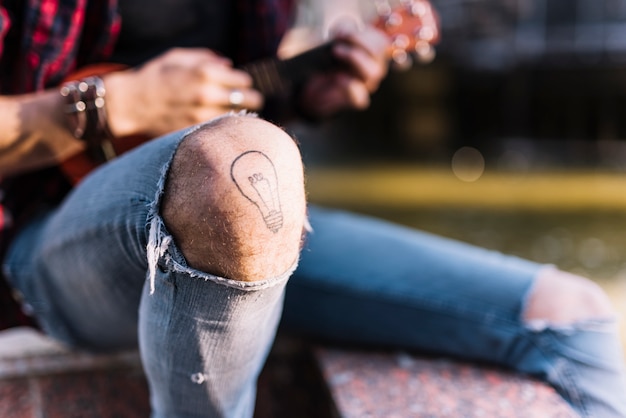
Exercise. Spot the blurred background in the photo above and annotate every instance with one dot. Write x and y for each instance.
(513, 138)
(541, 79)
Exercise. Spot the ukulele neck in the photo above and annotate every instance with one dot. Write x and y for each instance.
(277, 78)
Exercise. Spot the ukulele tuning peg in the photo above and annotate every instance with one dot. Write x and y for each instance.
(418, 9)
(424, 52)
(401, 60)
(393, 20)
(425, 34)
(401, 41)
(389, 17)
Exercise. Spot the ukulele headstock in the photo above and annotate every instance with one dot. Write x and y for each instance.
(413, 27)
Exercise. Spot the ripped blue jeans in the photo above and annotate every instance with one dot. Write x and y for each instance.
(101, 272)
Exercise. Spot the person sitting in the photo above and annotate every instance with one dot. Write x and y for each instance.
(197, 244)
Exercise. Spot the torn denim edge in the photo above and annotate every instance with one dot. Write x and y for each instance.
(162, 245)
(159, 240)
(155, 248)
(604, 325)
(307, 225)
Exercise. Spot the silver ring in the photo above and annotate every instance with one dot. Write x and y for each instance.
(235, 98)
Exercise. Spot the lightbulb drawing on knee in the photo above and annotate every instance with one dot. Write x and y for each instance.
(254, 175)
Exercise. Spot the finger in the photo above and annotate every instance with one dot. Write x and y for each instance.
(357, 94)
(225, 75)
(328, 95)
(245, 99)
(363, 66)
(344, 26)
(373, 41)
(234, 98)
(192, 57)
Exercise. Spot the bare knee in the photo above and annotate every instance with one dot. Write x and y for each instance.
(563, 298)
(234, 199)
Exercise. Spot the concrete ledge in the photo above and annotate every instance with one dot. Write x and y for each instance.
(41, 378)
(396, 385)
(25, 352)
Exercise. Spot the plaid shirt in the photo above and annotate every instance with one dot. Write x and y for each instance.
(42, 43)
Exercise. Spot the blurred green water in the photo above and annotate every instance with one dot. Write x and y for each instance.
(591, 243)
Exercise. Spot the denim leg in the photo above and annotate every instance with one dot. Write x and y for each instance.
(101, 272)
(204, 339)
(371, 282)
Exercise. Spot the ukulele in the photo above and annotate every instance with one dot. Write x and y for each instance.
(412, 27)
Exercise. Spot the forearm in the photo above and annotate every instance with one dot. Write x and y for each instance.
(33, 133)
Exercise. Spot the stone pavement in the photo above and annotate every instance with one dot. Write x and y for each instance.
(398, 385)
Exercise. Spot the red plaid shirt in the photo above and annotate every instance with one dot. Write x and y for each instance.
(42, 41)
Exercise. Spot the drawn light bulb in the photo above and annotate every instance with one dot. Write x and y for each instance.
(255, 176)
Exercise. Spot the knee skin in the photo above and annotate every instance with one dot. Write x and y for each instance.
(564, 298)
(234, 199)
